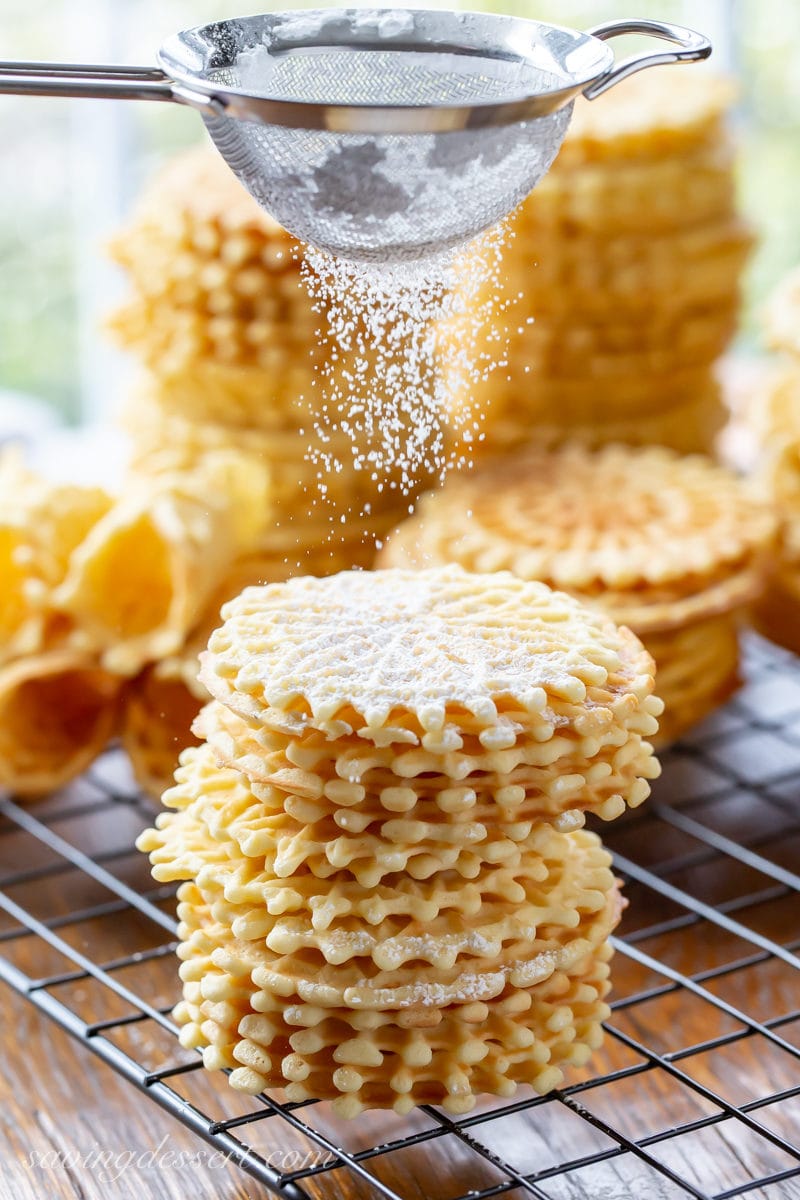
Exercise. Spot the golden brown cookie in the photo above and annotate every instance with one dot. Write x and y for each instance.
(619, 282)
(673, 547)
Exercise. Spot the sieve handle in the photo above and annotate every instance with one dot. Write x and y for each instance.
(692, 47)
(93, 81)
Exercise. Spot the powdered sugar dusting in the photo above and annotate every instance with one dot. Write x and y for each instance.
(410, 641)
(392, 373)
(468, 987)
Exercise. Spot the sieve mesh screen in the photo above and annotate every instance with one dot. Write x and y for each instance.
(389, 197)
(381, 76)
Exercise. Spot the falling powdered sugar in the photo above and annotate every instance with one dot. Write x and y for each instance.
(401, 360)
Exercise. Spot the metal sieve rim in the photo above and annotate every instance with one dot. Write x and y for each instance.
(578, 58)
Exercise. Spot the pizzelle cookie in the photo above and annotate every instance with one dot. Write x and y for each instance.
(619, 286)
(236, 358)
(389, 898)
(215, 278)
(644, 124)
(357, 783)
(688, 425)
(429, 657)
(673, 547)
(774, 417)
(161, 703)
(368, 1057)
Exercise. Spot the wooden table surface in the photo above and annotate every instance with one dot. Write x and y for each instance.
(62, 1108)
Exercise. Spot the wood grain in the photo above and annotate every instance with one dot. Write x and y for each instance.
(61, 1106)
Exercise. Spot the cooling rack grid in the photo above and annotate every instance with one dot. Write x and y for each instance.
(696, 1091)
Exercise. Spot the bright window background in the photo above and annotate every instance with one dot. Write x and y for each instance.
(69, 169)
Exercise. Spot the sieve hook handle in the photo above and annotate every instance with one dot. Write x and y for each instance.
(95, 81)
(692, 47)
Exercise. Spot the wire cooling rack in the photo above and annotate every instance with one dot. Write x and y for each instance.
(696, 1091)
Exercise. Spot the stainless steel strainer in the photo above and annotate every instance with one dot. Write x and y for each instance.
(377, 134)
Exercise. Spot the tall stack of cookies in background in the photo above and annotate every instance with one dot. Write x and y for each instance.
(389, 898)
(227, 336)
(225, 328)
(671, 546)
(621, 278)
(774, 419)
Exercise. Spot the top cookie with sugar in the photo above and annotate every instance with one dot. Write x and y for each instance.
(407, 656)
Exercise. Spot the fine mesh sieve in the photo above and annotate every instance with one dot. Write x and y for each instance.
(377, 134)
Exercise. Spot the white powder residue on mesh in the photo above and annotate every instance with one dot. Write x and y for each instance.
(394, 381)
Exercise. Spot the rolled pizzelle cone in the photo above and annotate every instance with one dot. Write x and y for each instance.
(41, 523)
(21, 623)
(140, 580)
(57, 712)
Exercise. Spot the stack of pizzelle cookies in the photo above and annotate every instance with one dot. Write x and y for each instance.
(774, 418)
(621, 276)
(224, 325)
(96, 588)
(673, 547)
(389, 899)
